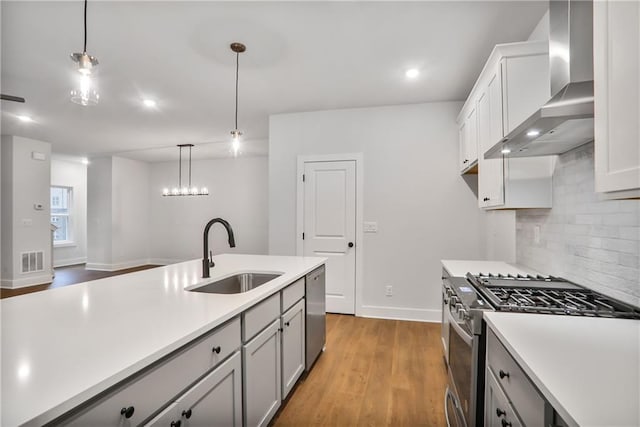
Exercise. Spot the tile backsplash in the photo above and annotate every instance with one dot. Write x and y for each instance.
(583, 238)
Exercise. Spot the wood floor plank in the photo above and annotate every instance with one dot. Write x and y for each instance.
(373, 373)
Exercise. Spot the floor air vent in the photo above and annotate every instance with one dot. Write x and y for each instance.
(32, 261)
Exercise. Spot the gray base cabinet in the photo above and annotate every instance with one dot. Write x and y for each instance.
(262, 364)
(293, 346)
(498, 411)
(215, 400)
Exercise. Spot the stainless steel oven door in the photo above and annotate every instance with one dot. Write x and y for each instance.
(462, 359)
(452, 411)
(445, 321)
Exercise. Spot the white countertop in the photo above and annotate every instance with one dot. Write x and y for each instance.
(587, 368)
(62, 346)
(460, 268)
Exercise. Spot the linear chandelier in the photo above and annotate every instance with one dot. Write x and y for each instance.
(188, 190)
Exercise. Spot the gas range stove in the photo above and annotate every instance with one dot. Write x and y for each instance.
(547, 295)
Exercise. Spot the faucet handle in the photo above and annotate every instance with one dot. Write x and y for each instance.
(211, 263)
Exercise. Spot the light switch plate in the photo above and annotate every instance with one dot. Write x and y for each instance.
(370, 227)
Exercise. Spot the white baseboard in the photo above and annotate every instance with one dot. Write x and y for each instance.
(165, 261)
(400, 313)
(116, 266)
(69, 261)
(26, 281)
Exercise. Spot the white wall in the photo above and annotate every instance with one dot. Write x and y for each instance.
(238, 193)
(25, 182)
(71, 172)
(117, 213)
(424, 209)
(584, 238)
(130, 212)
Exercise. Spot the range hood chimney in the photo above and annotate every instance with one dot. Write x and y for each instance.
(566, 120)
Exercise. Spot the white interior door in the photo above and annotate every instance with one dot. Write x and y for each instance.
(330, 227)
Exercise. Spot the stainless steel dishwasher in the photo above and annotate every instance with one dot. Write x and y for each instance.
(316, 313)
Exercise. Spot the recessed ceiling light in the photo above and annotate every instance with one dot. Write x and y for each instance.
(533, 133)
(150, 103)
(25, 119)
(412, 73)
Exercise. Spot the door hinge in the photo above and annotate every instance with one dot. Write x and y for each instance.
(303, 177)
(302, 236)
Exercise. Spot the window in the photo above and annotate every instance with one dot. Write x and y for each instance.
(61, 202)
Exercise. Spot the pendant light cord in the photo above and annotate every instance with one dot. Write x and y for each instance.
(237, 67)
(85, 27)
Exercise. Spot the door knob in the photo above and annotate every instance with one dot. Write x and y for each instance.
(350, 244)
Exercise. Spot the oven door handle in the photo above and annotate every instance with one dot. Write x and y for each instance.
(448, 395)
(460, 421)
(466, 337)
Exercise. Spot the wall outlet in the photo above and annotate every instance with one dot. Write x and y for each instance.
(388, 290)
(27, 222)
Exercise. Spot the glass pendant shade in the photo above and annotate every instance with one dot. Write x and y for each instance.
(85, 93)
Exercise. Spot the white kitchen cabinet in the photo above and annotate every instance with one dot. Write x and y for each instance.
(498, 412)
(137, 399)
(512, 85)
(215, 400)
(293, 346)
(616, 44)
(262, 376)
(468, 138)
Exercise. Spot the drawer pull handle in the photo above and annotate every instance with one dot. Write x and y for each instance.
(280, 330)
(186, 414)
(286, 324)
(503, 374)
(176, 423)
(127, 412)
(216, 349)
(505, 423)
(500, 412)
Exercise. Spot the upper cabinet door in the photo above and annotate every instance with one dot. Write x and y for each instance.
(525, 88)
(616, 53)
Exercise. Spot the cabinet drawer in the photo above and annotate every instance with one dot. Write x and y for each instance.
(498, 410)
(149, 391)
(522, 394)
(258, 317)
(292, 294)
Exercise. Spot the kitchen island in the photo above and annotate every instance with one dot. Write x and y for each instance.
(588, 369)
(65, 346)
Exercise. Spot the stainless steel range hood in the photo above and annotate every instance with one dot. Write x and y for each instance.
(566, 120)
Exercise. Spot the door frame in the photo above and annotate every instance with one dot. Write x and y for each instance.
(358, 158)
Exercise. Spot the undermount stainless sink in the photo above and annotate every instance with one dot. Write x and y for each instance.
(237, 283)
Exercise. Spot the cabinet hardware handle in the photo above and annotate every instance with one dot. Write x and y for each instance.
(216, 349)
(500, 412)
(280, 329)
(127, 412)
(505, 423)
(350, 244)
(186, 414)
(466, 161)
(176, 423)
(486, 199)
(286, 324)
(503, 374)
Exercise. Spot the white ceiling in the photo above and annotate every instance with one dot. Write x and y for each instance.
(301, 56)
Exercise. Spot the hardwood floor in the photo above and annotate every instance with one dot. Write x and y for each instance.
(69, 276)
(375, 373)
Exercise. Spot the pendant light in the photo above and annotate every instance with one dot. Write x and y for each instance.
(85, 93)
(187, 190)
(238, 48)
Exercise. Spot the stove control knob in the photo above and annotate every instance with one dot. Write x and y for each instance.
(458, 307)
(462, 314)
(453, 301)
